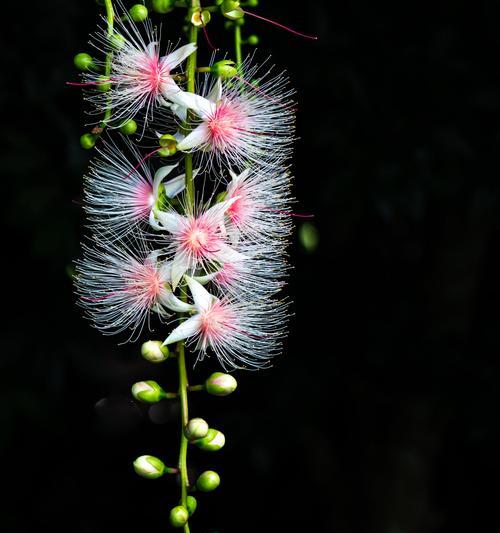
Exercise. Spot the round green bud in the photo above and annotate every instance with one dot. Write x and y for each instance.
(147, 391)
(83, 61)
(239, 21)
(103, 84)
(231, 9)
(163, 6)
(178, 516)
(149, 467)
(252, 3)
(168, 144)
(253, 40)
(87, 141)
(129, 127)
(220, 384)
(228, 25)
(191, 504)
(154, 351)
(309, 236)
(224, 69)
(213, 442)
(208, 481)
(117, 41)
(195, 429)
(200, 18)
(138, 13)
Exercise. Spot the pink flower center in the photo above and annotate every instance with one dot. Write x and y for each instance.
(241, 208)
(199, 238)
(226, 275)
(143, 199)
(225, 125)
(144, 283)
(150, 73)
(215, 321)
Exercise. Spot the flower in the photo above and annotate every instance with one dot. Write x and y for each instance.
(241, 334)
(120, 287)
(245, 121)
(198, 241)
(140, 77)
(120, 196)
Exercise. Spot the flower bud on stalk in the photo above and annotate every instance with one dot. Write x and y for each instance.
(195, 429)
(224, 69)
(163, 6)
(208, 481)
(231, 9)
(213, 441)
(84, 62)
(154, 352)
(178, 516)
(147, 391)
(138, 13)
(149, 467)
(168, 145)
(220, 384)
(192, 504)
(200, 18)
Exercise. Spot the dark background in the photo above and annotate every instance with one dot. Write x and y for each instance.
(382, 417)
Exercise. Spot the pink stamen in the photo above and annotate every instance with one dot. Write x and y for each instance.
(286, 28)
(87, 83)
(145, 158)
(263, 93)
(287, 213)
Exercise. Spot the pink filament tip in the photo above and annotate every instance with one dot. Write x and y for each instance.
(286, 28)
(207, 38)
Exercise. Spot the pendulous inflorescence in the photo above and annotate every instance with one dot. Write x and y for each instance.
(188, 203)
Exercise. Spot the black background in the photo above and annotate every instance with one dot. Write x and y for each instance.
(383, 414)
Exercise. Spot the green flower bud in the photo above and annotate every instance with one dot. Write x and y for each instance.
(129, 127)
(195, 429)
(253, 40)
(239, 21)
(168, 144)
(179, 516)
(163, 6)
(103, 85)
(224, 69)
(138, 13)
(192, 504)
(228, 25)
(154, 351)
(84, 62)
(208, 481)
(147, 391)
(200, 18)
(149, 467)
(87, 141)
(220, 384)
(252, 3)
(117, 40)
(231, 9)
(308, 236)
(218, 2)
(213, 442)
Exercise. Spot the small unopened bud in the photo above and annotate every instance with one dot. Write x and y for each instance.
(220, 384)
(84, 62)
(253, 40)
(224, 69)
(252, 3)
(87, 141)
(192, 504)
(231, 9)
(138, 13)
(168, 144)
(154, 351)
(149, 467)
(163, 6)
(147, 391)
(208, 481)
(103, 84)
(178, 516)
(213, 442)
(200, 18)
(129, 127)
(117, 41)
(195, 429)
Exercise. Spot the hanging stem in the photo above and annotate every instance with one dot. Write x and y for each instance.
(181, 359)
(237, 45)
(110, 17)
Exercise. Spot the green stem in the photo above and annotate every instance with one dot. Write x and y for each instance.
(181, 360)
(237, 45)
(110, 17)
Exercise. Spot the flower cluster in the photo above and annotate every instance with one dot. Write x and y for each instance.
(209, 261)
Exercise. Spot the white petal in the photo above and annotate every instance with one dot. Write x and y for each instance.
(170, 300)
(169, 221)
(202, 298)
(216, 93)
(226, 254)
(196, 138)
(179, 266)
(160, 175)
(186, 329)
(176, 185)
(178, 56)
(200, 105)
(152, 221)
(217, 211)
(205, 279)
